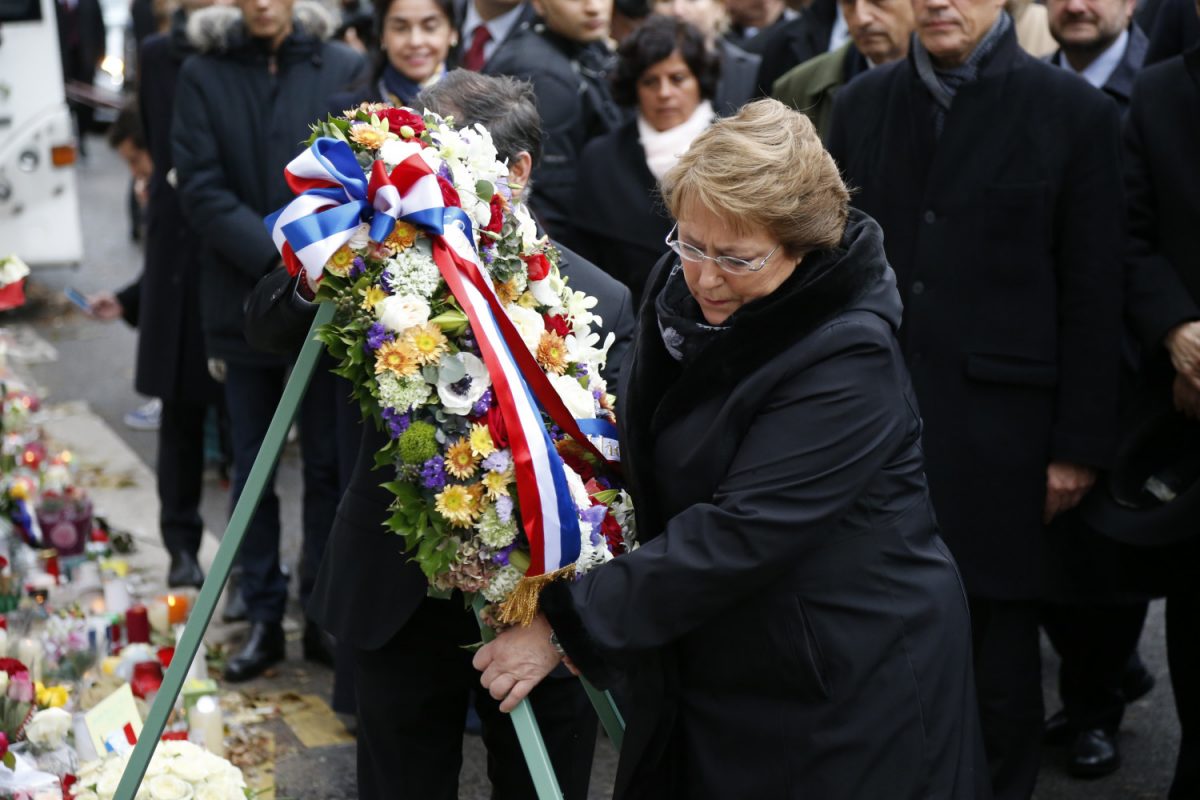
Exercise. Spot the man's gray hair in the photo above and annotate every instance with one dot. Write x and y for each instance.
(503, 105)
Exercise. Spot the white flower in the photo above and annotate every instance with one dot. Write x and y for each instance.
(502, 584)
(578, 400)
(529, 324)
(12, 269)
(168, 787)
(430, 156)
(495, 532)
(402, 393)
(398, 313)
(458, 396)
(543, 292)
(362, 235)
(412, 271)
(3, 683)
(48, 728)
(526, 227)
(579, 311)
(394, 151)
(582, 350)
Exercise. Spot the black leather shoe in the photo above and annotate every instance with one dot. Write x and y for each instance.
(185, 571)
(235, 604)
(1093, 754)
(1137, 682)
(1058, 731)
(318, 645)
(263, 648)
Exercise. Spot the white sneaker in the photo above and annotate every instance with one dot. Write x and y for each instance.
(146, 417)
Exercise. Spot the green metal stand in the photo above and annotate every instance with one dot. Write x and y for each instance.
(218, 574)
(528, 734)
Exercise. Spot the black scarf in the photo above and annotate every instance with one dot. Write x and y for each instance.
(681, 323)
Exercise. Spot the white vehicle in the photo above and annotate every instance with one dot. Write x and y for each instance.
(39, 197)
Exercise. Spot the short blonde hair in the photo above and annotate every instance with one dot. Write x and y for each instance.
(764, 168)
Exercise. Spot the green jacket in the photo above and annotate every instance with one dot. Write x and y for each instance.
(811, 86)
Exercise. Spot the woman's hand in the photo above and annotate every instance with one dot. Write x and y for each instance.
(1066, 484)
(516, 661)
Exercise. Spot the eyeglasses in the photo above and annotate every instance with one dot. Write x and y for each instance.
(734, 266)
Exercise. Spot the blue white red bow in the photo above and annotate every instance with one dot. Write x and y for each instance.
(334, 199)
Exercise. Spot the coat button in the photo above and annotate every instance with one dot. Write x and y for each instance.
(918, 287)
(930, 217)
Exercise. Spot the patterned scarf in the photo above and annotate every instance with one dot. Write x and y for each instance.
(943, 84)
(681, 323)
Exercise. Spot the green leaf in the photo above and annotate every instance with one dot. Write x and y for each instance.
(485, 190)
(451, 370)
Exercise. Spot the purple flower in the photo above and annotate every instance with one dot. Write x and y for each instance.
(397, 423)
(504, 508)
(357, 267)
(385, 282)
(593, 515)
(433, 473)
(483, 403)
(376, 336)
(501, 557)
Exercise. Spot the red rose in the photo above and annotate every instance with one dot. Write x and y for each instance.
(496, 223)
(611, 531)
(399, 117)
(573, 458)
(496, 427)
(538, 265)
(556, 324)
(449, 193)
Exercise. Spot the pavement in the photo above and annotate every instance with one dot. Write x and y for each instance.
(85, 369)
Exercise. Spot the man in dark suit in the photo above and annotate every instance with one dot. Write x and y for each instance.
(996, 180)
(879, 31)
(815, 31)
(567, 60)
(1094, 625)
(751, 22)
(412, 671)
(1162, 165)
(485, 28)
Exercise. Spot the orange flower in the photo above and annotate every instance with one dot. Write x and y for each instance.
(552, 353)
(398, 357)
(341, 261)
(507, 292)
(428, 342)
(460, 461)
(368, 136)
(402, 237)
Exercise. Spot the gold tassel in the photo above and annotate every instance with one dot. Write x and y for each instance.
(522, 605)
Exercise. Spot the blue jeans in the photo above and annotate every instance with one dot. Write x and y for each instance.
(252, 394)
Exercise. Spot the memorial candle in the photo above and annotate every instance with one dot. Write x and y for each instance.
(137, 625)
(205, 725)
(160, 618)
(177, 608)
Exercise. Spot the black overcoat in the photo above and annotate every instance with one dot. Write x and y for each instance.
(619, 220)
(570, 85)
(792, 626)
(1006, 237)
(164, 302)
(367, 588)
(241, 114)
(1162, 170)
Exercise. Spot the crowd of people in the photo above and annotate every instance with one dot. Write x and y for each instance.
(934, 259)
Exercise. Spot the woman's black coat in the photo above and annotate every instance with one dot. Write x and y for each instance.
(1006, 236)
(618, 216)
(791, 626)
(164, 302)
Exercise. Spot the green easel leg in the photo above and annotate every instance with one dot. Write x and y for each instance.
(218, 574)
(536, 758)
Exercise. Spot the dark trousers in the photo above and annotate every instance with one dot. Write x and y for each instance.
(180, 474)
(413, 695)
(1095, 643)
(1008, 680)
(1183, 656)
(252, 393)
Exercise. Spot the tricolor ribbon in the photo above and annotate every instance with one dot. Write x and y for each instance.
(333, 200)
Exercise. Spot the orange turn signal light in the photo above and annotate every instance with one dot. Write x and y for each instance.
(62, 155)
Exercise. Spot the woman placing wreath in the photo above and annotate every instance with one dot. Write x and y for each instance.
(792, 625)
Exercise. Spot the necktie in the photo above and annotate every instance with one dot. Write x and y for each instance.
(473, 60)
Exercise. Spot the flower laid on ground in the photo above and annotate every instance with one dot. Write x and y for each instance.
(177, 771)
(468, 347)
